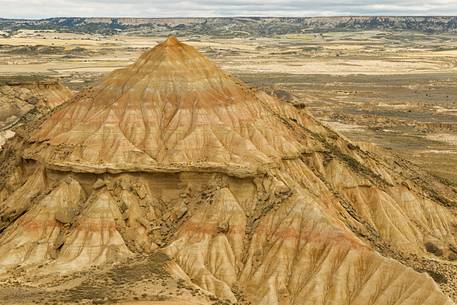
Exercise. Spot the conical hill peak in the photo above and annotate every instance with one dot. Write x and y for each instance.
(172, 57)
(171, 110)
(172, 40)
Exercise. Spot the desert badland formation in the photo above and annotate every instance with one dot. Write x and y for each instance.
(174, 177)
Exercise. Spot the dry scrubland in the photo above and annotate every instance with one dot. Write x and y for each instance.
(394, 89)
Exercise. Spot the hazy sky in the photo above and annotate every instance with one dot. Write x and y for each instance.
(170, 8)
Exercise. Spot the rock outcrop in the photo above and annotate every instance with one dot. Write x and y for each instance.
(21, 97)
(251, 197)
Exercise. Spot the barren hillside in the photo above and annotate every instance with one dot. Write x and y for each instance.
(170, 181)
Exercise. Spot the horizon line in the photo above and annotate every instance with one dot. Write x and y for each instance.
(213, 17)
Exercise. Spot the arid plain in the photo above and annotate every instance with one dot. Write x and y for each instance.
(393, 89)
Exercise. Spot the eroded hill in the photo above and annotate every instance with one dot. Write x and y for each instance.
(182, 176)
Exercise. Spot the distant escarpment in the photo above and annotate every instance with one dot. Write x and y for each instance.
(235, 26)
